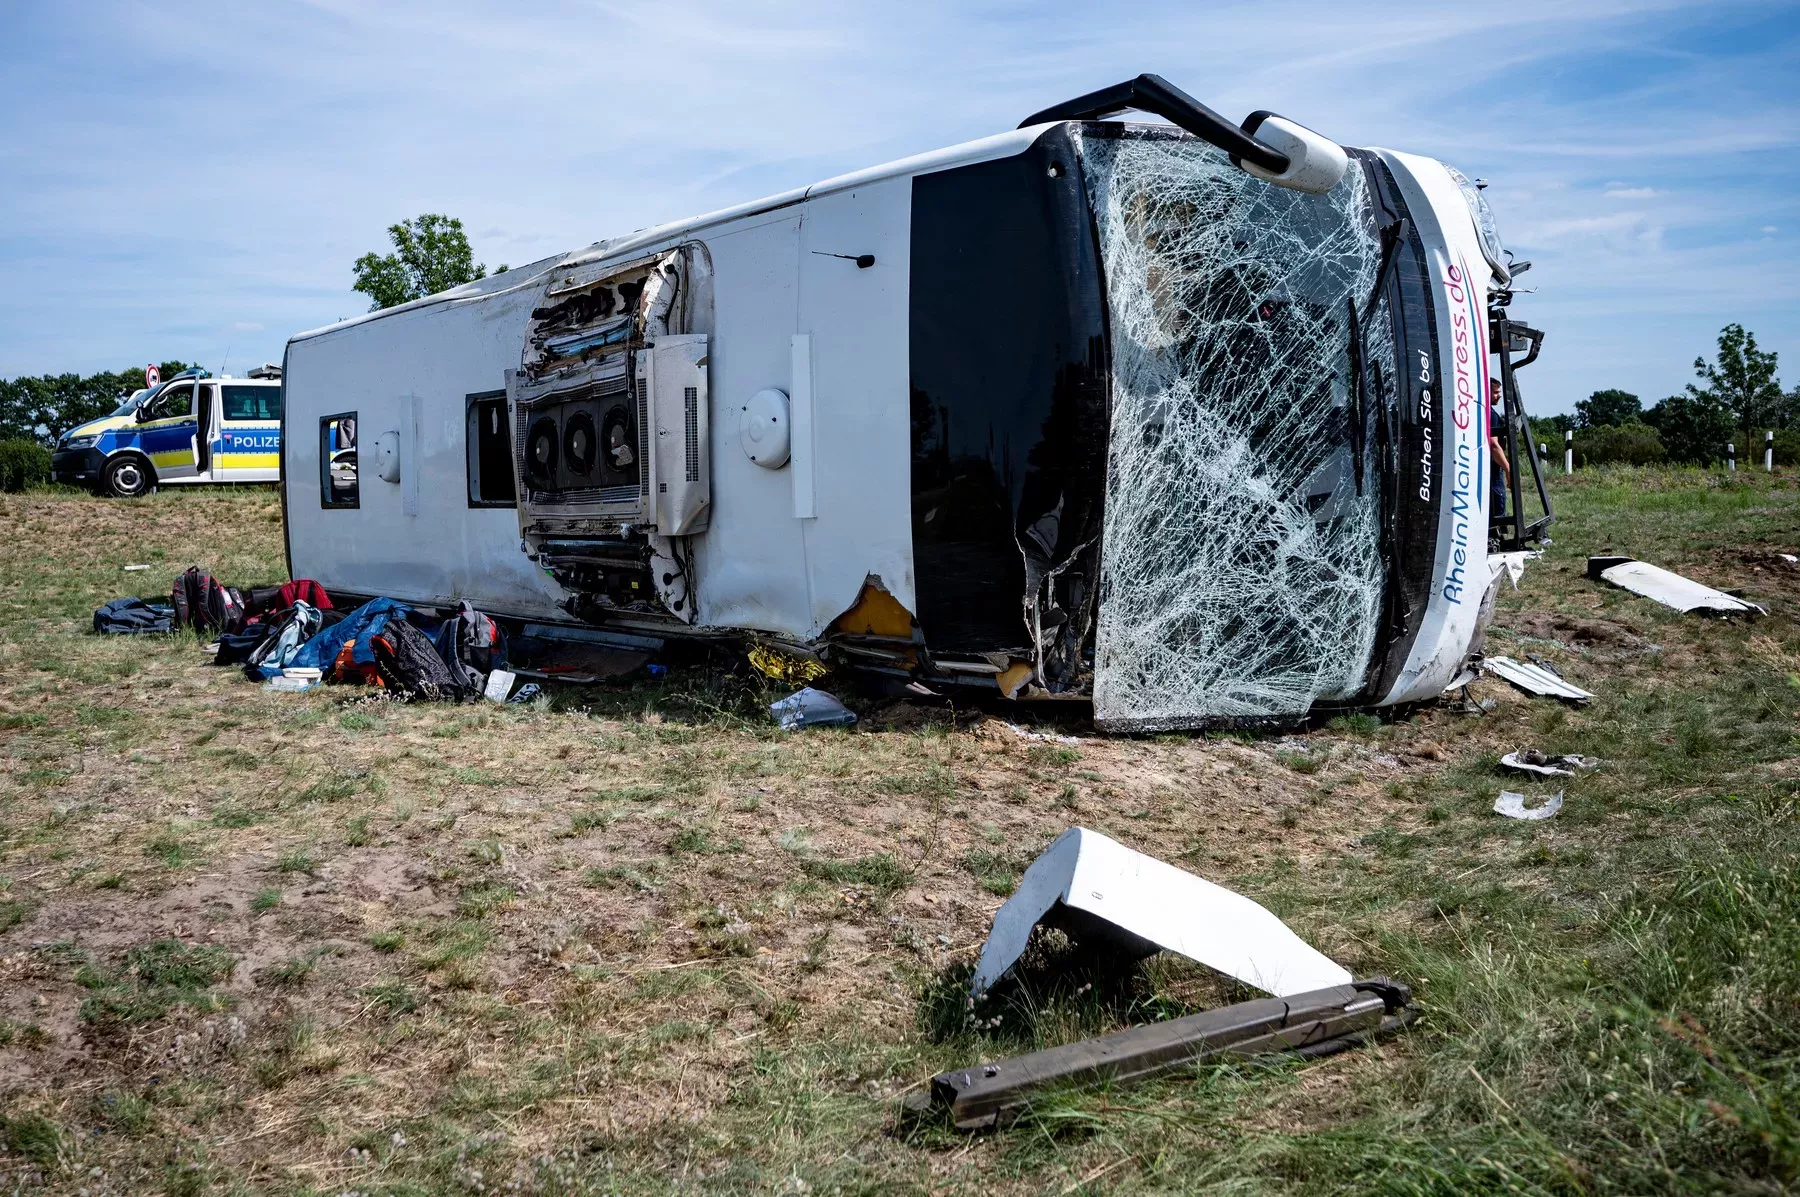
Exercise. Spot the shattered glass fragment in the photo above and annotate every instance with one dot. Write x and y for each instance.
(1241, 571)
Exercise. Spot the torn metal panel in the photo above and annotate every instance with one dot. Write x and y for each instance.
(1670, 589)
(1242, 573)
(1094, 887)
(1315, 1023)
(1534, 679)
(1513, 806)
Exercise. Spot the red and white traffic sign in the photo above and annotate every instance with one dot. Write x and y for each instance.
(152, 376)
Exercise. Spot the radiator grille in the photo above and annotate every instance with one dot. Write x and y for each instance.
(643, 430)
(691, 397)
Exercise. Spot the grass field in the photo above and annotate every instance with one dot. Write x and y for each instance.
(634, 939)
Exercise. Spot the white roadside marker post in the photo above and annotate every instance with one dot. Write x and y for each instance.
(1769, 451)
(1569, 451)
(1731, 457)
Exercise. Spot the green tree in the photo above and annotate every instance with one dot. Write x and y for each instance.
(431, 254)
(1693, 427)
(1742, 380)
(1630, 443)
(1608, 408)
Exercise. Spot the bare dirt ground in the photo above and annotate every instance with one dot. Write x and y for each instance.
(628, 937)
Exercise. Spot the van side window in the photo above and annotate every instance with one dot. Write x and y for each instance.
(337, 461)
(245, 402)
(490, 451)
(171, 403)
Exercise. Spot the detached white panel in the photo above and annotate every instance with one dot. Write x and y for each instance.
(1150, 900)
(1672, 590)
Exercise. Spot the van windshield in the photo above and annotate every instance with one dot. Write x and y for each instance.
(1242, 571)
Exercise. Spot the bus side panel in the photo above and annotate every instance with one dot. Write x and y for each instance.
(448, 550)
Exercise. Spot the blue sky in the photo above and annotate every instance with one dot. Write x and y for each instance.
(194, 180)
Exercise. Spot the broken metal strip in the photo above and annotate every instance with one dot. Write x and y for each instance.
(1534, 679)
(1311, 1023)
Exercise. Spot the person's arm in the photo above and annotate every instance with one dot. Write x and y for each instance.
(1499, 455)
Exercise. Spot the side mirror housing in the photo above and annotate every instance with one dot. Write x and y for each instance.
(1316, 163)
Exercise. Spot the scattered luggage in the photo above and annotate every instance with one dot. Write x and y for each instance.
(282, 641)
(409, 665)
(471, 647)
(132, 616)
(205, 604)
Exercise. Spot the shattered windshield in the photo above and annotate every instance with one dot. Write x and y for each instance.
(1241, 571)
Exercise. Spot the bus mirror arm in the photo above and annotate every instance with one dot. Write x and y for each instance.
(1300, 159)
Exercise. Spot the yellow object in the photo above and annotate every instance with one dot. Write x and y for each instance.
(875, 613)
(786, 667)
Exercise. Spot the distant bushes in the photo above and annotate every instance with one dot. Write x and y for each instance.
(23, 464)
(1619, 444)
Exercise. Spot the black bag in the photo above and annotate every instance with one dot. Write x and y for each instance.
(201, 602)
(471, 646)
(237, 647)
(409, 663)
(133, 616)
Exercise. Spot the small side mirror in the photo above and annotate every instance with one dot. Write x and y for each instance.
(141, 413)
(1316, 163)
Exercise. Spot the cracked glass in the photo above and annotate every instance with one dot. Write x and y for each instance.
(1241, 568)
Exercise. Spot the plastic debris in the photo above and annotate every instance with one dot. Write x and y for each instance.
(1094, 888)
(811, 708)
(526, 693)
(1535, 679)
(1513, 806)
(499, 685)
(1669, 588)
(133, 569)
(792, 668)
(1533, 761)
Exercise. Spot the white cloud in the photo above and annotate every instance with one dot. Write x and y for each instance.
(1770, 229)
(245, 326)
(1630, 193)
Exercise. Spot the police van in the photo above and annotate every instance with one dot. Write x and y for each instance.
(189, 428)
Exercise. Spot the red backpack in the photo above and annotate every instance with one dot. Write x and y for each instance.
(202, 603)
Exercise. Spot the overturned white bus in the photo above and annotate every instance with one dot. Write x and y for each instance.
(1187, 419)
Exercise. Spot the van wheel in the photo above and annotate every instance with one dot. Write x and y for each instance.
(127, 478)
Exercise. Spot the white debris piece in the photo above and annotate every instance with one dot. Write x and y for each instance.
(1669, 589)
(811, 708)
(1513, 806)
(1092, 886)
(1549, 766)
(499, 685)
(1534, 679)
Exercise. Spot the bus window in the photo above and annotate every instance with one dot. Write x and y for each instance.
(337, 460)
